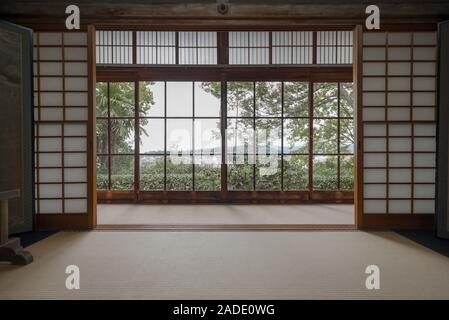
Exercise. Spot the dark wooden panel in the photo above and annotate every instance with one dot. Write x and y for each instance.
(399, 221)
(303, 11)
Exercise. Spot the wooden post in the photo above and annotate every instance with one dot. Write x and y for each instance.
(10, 249)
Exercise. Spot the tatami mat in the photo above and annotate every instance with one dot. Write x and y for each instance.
(227, 265)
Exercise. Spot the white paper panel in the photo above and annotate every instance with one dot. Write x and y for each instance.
(400, 190)
(398, 83)
(425, 144)
(424, 191)
(373, 114)
(399, 68)
(50, 190)
(371, 129)
(424, 68)
(50, 175)
(424, 114)
(375, 160)
(373, 69)
(374, 38)
(51, 99)
(399, 144)
(51, 114)
(49, 129)
(75, 129)
(373, 99)
(398, 99)
(75, 175)
(76, 99)
(373, 84)
(399, 206)
(50, 68)
(50, 54)
(375, 144)
(76, 114)
(399, 38)
(398, 114)
(374, 206)
(424, 159)
(75, 54)
(399, 54)
(75, 144)
(399, 160)
(425, 53)
(50, 206)
(75, 38)
(424, 99)
(399, 129)
(76, 84)
(374, 191)
(400, 175)
(75, 205)
(424, 206)
(373, 53)
(421, 129)
(424, 38)
(50, 144)
(424, 83)
(424, 175)
(375, 175)
(50, 38)
(76, 68)
(75, 190)
(50, 83)
(49, 159)
(75, 159)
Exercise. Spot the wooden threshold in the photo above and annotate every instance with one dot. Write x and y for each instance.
(227, 227)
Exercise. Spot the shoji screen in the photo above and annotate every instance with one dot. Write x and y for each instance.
(399, 119)
(61, 114)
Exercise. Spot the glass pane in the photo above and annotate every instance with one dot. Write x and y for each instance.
(152, 136)
(325, 100)
(122, 172)
(347, 136)
(102, 173)
(240, 176)
(325, 173)
(268, 172)
(296, 135)
(240, 99)
(207, 99)
(179, 173)
(102, 136)
(121, 99)
(179, 136)
(347, 172)
(122, 136)
(151, 173)
(325, 133)
(207, 136)
(296, 176)
(102, 99)
(207, 173)
(268, 135)
(296, 99)
(346, 100)
(179, 99)
(152, 99)
(240, 136)
(268, 99)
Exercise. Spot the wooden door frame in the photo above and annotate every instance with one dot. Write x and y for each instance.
(358, 153)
